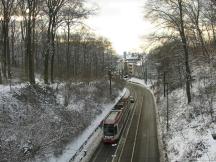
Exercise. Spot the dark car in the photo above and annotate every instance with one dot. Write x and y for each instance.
(132, 100)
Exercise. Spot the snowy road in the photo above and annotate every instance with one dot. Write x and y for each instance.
(139, 139)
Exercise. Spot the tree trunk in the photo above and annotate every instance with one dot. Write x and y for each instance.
(0, 74)
(8, 54)
(53, 47)
(74, 61)
(184, 43)
(30, 47)
(84, 73)
(213, 32)
(24, 42)
(26, 56)
(46, 57)
(204, 49)
(53, 50)
(4, 58)
(13, 26)
(52, 60)
(68, 50)
(46, 67)
(52, 68)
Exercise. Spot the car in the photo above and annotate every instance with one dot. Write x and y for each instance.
(132, 100)
(126, 76)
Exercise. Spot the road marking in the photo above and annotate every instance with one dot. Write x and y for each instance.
(124, 139)
(126, 134)
(96, 155)
(137, 131)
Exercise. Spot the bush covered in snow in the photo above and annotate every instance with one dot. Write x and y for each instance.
(38, 120)
(189, 136)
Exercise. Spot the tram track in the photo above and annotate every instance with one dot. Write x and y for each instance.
(141, 144)
(138, 142)
(146, 145)
(129, 134)
(125, 131)
(135, 140)
(104, 152)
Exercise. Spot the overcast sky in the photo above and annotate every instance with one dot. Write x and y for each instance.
(122, 22)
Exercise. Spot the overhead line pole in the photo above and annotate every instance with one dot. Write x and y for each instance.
(110, 80)
(167, 92)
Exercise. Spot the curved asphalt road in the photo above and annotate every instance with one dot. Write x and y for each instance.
(139, 138)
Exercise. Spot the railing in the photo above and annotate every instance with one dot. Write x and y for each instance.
(83, 146)
(86, 141)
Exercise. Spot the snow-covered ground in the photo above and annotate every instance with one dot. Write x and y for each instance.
(142, 82)
(48, 123)
(41, 120)
(190, 129)
(136, 80)
(78, 141)
(189, 137)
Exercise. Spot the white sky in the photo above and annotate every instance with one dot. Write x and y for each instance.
(122, 22)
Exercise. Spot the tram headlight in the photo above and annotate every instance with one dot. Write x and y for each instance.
(108, 137)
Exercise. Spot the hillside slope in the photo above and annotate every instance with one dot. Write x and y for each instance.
(40, 120)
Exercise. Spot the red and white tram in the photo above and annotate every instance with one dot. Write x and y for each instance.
(114, 122)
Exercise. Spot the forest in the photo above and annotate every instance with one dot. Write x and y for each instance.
(49, 39)
(183, 62)
(184, 42)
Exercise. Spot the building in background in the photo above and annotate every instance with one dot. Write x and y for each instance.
(131, 64)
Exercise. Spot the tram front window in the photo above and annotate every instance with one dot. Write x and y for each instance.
(109, 130)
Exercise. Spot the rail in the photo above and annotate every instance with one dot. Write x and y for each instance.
(83, 146)
(80, 149)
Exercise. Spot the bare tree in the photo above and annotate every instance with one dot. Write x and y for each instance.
(185, 47)
(30, 10)
(73, 13)
(193, 10)
(1, 42)
(209, 15)
(13, 28)
(53, 9)
(33, 39)
(29, 40)
(7, 8)
(23, 25)
(171, 15)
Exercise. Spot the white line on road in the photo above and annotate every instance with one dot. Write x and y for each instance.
(130, 121)
(126, 137)
(137, 131)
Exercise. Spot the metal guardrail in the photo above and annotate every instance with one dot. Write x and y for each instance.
(83, 145)
(86, 141)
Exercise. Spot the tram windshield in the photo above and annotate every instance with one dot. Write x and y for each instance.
(110, 130)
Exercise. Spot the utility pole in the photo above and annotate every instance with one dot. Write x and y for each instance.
(164, 80)
(146, 74)
(110, 80)
(144, 71)
(167, 91)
